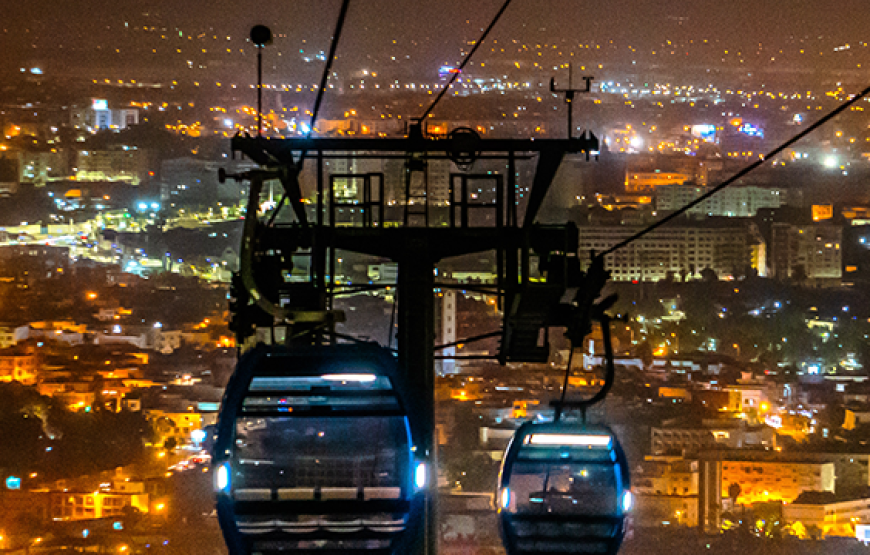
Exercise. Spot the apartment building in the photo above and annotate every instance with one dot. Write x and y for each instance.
(681, 249)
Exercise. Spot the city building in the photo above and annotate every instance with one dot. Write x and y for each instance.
(69, 505)
(687, 437)
(75, 394)
(123, 163)
(667, 491)
(641, 181)
(41, 167)
(19, 366)
(739, 202)
(681, 249)
(806, 252)
(26, 265)
(664, 475)
(97, 115)
(761, 476)
(8, 336)
(822, 514)
(775, 480)
(752, 397)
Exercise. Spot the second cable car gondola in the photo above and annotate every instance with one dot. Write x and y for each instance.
(314, 453)
(563, 489)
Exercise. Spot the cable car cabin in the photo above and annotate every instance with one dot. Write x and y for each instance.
(314, 453)
(563, 488)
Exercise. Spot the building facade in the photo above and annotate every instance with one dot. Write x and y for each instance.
(125, 163)
(811, 251)
(739, 202)
(775, 480)
(97, 116)
(19, 367)
(681, 250)
(821, 515)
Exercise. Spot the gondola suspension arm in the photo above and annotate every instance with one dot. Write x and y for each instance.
(580, 317)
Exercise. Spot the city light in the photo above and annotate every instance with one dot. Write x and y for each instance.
(741, 322)
(198, 436)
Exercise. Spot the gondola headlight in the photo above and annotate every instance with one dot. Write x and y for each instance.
(420, 475)
(584, 440)
(627, 501)
(360, 378)
(222, 478)
(505, 497)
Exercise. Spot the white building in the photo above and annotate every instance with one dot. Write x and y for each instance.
(682, 249)
(821, 514)
(98, 115)
(740, 202)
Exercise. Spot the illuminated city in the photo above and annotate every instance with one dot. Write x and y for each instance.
(740, 330)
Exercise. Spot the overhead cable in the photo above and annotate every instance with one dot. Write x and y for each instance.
(325, 77)
(465, 61)
(333, 45)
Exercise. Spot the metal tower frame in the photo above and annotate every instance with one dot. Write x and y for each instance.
(416, 250)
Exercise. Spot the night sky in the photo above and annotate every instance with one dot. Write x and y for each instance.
(86, 33)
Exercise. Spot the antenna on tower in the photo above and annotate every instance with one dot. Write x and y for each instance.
(569, 95)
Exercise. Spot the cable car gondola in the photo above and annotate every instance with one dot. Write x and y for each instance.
(563, 488)
(314, 453)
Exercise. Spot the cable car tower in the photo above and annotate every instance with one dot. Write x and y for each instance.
(283, 297)
(283, 294)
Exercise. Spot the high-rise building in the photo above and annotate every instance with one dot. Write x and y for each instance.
(682, 249)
